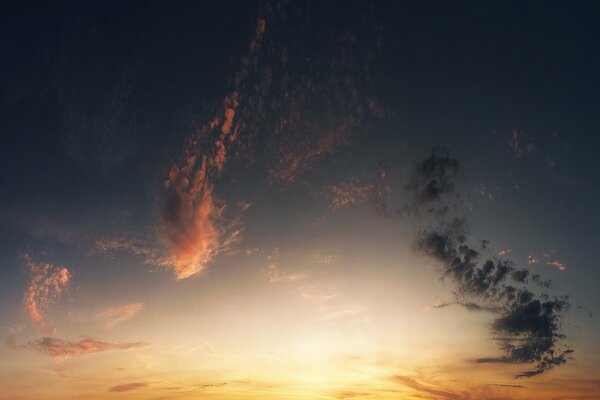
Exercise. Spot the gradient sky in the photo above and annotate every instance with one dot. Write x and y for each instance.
(299, 200)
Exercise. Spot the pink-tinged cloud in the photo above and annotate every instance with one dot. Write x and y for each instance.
(117, 314)
(46, 284)
(557, 264)
(193, 228)
(59, 349)
(127, 387)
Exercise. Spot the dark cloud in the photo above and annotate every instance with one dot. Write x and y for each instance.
(527, 325)
(432, 177)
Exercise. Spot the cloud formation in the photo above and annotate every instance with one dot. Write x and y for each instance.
(433, 177)
(192, 225)
(46, 284)
(527, 326)
(59, 349)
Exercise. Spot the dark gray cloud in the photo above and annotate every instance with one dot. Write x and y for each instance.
(526, 325)
(433, 177)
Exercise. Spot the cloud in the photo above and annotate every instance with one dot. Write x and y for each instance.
(117, 314)
(46, 284)
(274, 274)
(59, 349)
(432, 177)
(515, 143)
(355, 192)
(557, 264)
(532, 260)
(527, 326)
(127, 387)
(318, 292)
(192, 226)
(422, 388)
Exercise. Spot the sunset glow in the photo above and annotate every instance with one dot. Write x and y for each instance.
(300, 200)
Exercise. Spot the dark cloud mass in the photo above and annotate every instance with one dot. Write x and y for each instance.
(526, 325)
(432, 177)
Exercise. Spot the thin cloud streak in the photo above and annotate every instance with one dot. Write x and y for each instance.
(59, 349)
(117, 314)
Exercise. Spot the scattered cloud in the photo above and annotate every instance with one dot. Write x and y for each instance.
(46, 284)
(59, 349)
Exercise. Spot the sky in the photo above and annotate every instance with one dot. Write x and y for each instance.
(299, 200)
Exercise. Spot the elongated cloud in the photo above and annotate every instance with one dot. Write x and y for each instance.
(429, 390)
(45, 286)
(192, 226)
(59, 349)
(128, 387)
(117, 314)
(527, 325)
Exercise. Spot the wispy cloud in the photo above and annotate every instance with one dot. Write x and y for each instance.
(46, 284)
(59, 349)
(428, 389)
(274, 274)
(127, 387)
(117, 314)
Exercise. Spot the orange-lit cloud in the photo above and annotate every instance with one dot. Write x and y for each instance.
(46, 284)
(557, 264)
(59, 349)
(192, 228)
(117, 314)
